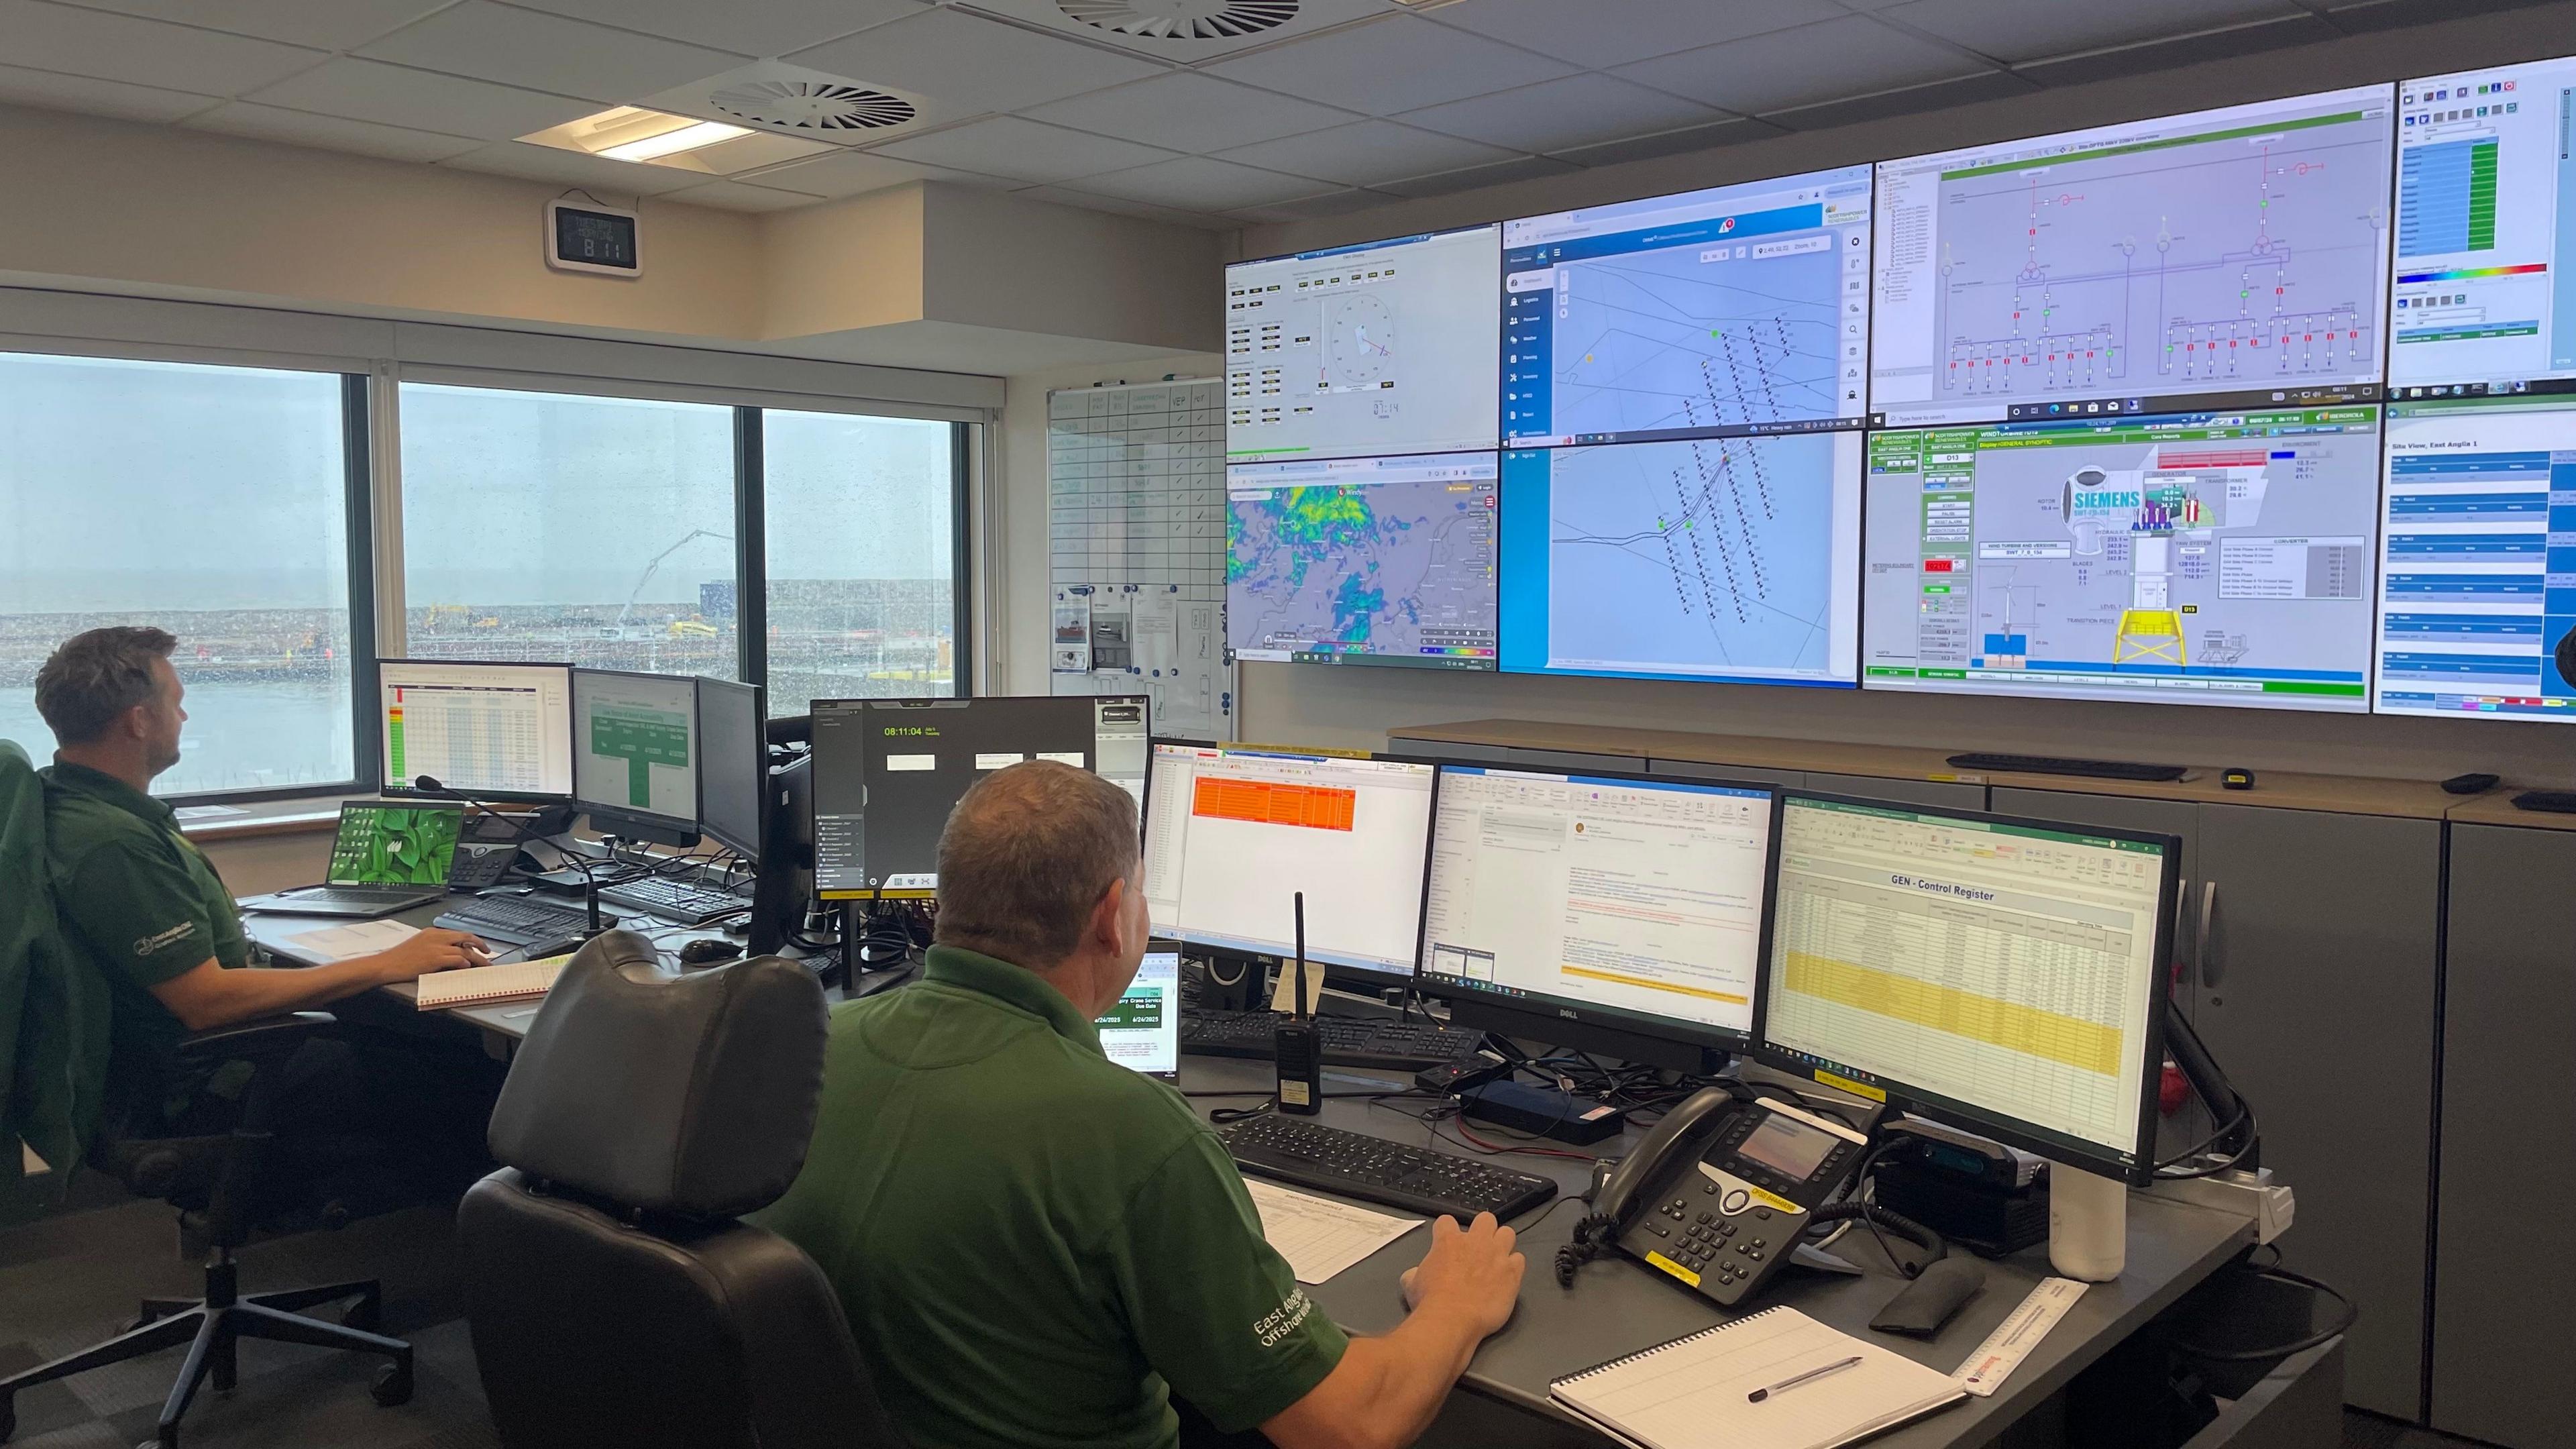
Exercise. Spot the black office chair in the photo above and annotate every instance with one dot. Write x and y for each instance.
(218, 1183)
(614, 1298)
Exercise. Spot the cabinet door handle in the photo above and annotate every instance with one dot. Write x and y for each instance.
(2186, 958)
(2208, 958)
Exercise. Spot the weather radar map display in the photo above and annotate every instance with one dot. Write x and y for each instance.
(2227, 256)
(1363, 561)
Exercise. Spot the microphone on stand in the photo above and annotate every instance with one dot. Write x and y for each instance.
(430, 785)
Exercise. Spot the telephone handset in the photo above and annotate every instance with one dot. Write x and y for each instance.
(487, 845)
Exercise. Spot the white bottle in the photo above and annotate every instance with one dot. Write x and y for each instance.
(2088, 1224)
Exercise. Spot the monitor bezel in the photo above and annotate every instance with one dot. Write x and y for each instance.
(606, 816)
(760, 711)
(1588, 1014)
(404, 788)
(2029, 1137)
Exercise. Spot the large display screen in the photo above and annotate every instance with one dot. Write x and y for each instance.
(2217, 258)
(1363, 561)
(2484, 196)
(1364, 351)
(1726, 559)
(1739, 309)
(2200, 559)
(2476, 590)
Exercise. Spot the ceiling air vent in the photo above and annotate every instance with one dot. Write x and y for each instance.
(817, 108)
(1182, 19)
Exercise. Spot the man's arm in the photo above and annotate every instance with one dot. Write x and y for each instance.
(208, 996)
(1384, 1392)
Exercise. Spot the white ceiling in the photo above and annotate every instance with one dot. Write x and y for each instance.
(1349, 104)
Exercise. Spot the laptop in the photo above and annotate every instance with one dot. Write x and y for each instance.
(1143, 1031)
(386, 858)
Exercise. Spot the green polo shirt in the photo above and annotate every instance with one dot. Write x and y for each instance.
(144, 903)
(1035, 1245)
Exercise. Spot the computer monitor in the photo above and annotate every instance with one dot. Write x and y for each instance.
(2472, 605)
(491, 731)
(2005, 976)
(1364, 351)
(636, 750)
(2205, 558)
(2214, 260)
(1384, 561)
(2484, 235)
(1735, 310)
(733, 765)
(1236, 832)
(888, 771)
(1630, 905)
(1143, 1030)
(1730, 560)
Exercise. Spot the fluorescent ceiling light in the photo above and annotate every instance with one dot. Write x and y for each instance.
(670, 143)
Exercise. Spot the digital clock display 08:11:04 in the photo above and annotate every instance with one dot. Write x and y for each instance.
(591, 239)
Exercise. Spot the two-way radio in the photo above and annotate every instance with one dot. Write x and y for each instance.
(1300, 1043)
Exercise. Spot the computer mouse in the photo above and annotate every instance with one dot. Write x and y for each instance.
(708, 951)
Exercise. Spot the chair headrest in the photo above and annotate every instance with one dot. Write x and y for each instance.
(691, 1095)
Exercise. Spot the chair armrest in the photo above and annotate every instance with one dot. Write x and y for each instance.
(261, 1039)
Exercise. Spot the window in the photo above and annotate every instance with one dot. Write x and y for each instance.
(208, 501)
(861, 524)
(548, 526)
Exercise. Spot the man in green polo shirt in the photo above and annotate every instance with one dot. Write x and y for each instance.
(1039, 1247)
(147, 906)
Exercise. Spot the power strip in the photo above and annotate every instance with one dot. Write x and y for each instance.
(2247, 1194)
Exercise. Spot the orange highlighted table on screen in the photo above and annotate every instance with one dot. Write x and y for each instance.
(1265, 802)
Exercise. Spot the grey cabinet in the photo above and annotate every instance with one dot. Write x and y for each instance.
(2307, 942)
(1933, 794)
(1748, 774)
(2504, 1369)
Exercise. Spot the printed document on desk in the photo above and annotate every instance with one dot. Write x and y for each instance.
(1320, 1237)
(331, 945)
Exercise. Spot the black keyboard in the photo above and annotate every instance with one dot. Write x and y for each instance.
(673, 900)
(1349, 1041)
(516, 920)
(1354, 1164)
(2050, 765)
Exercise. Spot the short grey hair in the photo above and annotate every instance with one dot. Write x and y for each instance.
(1025, 858)
(96, 676)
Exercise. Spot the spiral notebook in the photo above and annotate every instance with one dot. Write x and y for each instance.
(483, 985)
(1692, 1393)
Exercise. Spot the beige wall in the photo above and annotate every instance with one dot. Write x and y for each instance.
(997, 261)
(272, 862)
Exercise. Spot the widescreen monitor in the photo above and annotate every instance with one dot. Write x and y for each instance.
(1364, 351)
(1374, 561)
(2485, 294)
(635, 753)
(2213, 558)
(2210, 260)
(1235, 832)
(1733, 560)
(888, 771)
(1629, 902)
(491, 731)
(1734, 310)
(2476, 590)
(733, 765)
(2004, 976)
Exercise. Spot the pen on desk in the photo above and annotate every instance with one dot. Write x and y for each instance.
(1758, 1395)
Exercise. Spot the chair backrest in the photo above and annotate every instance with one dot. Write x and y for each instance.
(613, 1297)
(54, 1002)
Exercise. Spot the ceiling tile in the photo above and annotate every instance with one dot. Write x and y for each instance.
(1331, 203)
(611, 179)
(1853, 56)
(1117, 22)
(740, 196)
(1187, 111)
(333, 133)
(1910, 101)
(2015, 30)
(1442, 184)
(324, 24)
(1559, 115)
(769, 28)
(1200, 183)
(750, 153)
(1366, 151)
(971, 61)
(1121, 206)
(1400, 63)
(366, 90)
(547, 53)
(57, 92)
(852, 172)
(1010, 146)
(1603, 33)
(142, 52)
(2298, 28)
(1674, 143)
